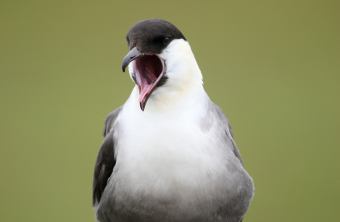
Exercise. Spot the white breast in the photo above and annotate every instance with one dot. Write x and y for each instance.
(166, 153)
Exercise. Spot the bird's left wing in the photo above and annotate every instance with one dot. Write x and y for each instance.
(105, 160)
(229, 133)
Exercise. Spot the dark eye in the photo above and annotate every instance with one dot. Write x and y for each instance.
(166, 40)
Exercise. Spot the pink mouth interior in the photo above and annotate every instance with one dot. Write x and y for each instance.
(148, 69)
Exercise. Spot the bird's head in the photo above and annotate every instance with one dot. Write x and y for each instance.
(159, 57)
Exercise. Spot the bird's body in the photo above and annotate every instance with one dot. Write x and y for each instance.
(174, 161)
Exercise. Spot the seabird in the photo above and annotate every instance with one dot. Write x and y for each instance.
(168, 153)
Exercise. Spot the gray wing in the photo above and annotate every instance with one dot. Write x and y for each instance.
(229, 133)
(243, 199)
(105, 159)
(110, 119)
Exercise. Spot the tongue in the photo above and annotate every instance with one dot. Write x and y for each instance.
(148, 76)
(144, 92)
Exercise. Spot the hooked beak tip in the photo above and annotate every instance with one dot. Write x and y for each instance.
(132, 55)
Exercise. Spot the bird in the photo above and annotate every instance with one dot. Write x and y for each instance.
(168, 153)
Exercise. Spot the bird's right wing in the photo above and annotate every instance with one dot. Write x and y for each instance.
(103, 168)
(105, 159)
(110, 119)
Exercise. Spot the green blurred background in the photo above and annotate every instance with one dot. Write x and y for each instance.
(272, 66)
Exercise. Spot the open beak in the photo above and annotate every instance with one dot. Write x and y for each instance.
(148, 69)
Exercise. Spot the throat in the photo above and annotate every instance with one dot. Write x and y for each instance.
(166, 99)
